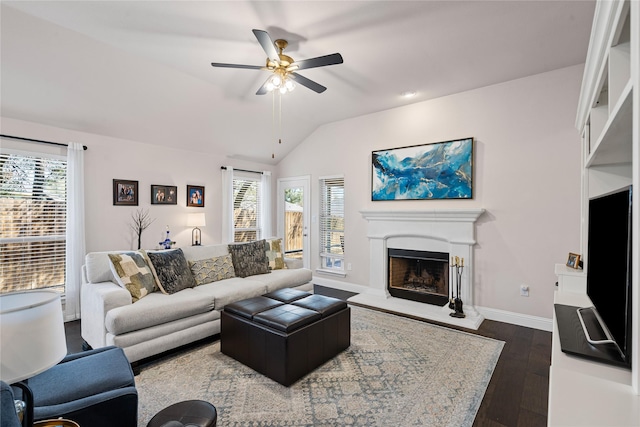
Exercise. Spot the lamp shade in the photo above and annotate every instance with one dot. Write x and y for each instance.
(32, 336)
(196, 220)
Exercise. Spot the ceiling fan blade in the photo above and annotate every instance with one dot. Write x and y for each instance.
(320, 61)
(267, 44)
(263, 89)
(308, 83)
(249, 67)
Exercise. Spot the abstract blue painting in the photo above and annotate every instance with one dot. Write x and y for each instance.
(443, 170)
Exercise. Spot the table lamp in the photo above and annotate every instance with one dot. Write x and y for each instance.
(196, 220)
(32, 339)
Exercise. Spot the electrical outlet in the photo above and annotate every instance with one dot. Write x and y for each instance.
(524, 290)
(349, 266)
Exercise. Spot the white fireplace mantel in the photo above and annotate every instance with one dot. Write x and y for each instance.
(440, 230)
(437, 215)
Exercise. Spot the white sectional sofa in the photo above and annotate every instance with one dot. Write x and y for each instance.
(159, 322)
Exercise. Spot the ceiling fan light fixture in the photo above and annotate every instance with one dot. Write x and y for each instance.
(283, 66)
(290, 85)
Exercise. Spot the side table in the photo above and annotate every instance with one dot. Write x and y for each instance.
(191, 413)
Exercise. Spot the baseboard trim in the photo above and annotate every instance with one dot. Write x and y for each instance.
(519, 319)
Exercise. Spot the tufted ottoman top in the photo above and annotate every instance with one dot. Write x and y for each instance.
(252, 306)
(322, 304)
(286, 309)
(287, 317)
(287, 295)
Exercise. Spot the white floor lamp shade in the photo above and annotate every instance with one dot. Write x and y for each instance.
(32, 337)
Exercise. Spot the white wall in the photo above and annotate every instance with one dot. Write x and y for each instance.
(526, 175)
(107, 226)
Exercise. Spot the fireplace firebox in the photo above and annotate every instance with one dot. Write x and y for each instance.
(421, 276)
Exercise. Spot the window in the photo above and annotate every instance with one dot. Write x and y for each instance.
(332, 223)
(246, 207)
(33, 203)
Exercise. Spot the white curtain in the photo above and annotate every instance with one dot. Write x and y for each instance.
(265, 209)
(75, 250)
(227, 205)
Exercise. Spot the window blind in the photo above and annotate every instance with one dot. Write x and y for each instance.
(33, 204)
(246, 208)
(332, 222)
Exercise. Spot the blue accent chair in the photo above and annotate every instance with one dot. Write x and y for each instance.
(93, 388)
(8, 416)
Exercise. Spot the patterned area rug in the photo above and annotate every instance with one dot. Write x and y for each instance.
(397, 372)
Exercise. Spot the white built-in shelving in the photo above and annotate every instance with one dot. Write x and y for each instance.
(582, 392)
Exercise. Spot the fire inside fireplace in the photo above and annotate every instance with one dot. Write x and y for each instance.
(419, 276)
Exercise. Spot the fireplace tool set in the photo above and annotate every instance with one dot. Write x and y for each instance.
(455, 303)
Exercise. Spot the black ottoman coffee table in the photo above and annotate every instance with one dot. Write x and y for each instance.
(189, 413)
(285, 334)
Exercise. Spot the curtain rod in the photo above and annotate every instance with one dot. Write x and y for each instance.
(241, 170)
(38, 140)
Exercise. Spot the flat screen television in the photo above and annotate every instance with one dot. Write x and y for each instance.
(608, 267)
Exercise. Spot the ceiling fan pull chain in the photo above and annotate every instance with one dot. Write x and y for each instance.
(280, 113)
(273, 122)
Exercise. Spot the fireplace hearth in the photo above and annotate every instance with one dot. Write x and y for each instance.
(421, 276)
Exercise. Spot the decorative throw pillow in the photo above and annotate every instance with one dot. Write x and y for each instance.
(249, 258)
(132, 272)
(171, 271)
(275, 255)
(212, 269)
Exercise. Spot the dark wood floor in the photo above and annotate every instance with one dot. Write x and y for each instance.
(519, 389)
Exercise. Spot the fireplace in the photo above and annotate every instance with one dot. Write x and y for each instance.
(448, 231)
(421, 276)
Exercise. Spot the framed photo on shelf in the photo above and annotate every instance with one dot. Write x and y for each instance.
(164, 195)
(195, 196)
(573, 261)
(125, 193)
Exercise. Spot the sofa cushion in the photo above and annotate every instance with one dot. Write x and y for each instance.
(156, 309)
(133, 273)
(231, 290)
(212, 269)
(279, 279)
(249, 258)
(171, 271)
(274, 254)
(98, 267)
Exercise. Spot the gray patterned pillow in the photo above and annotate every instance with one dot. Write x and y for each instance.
(171, 271)
(249, 258)
(212, 269)
(133, 273)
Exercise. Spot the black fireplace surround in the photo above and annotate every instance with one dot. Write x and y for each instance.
(420, 276)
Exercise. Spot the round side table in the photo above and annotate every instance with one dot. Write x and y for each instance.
(191, 413)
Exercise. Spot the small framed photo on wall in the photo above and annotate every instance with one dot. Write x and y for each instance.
(195, 196)
(164, 195)
(125, 193)
(573, 261)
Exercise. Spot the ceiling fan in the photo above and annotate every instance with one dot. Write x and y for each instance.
(284, 67)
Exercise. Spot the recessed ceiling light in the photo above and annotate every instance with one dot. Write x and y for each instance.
(408, 93)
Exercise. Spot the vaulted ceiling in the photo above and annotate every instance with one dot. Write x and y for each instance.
(141, 70)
